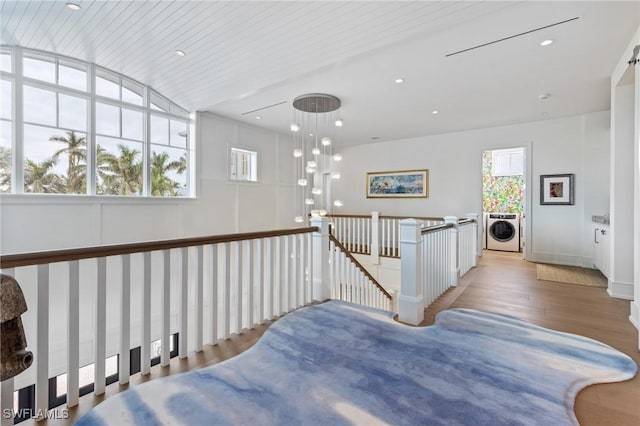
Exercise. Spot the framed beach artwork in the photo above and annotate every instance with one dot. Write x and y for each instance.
(400, 184)
(556, 189)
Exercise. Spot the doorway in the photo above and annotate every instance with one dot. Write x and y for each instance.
(504, 199)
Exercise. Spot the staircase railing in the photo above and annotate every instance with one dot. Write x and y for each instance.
(433, 259)
(351, 282)
(375, 235)
(89, 304)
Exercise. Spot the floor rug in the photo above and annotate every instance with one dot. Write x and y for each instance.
(571, 275)
(340, 364)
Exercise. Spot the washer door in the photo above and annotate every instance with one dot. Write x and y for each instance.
(502, 231)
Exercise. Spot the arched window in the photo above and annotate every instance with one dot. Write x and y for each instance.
(70, 127)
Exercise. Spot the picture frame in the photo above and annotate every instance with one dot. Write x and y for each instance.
(557, 190)
(398, 184)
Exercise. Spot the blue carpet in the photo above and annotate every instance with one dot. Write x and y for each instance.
(338, 363)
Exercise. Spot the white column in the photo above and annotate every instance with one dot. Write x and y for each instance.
(476, 238)
(321, 282)
(455, 256)
(375, 238)
(410, 303)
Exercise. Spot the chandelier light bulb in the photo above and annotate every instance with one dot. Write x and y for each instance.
(294, 127)
(335, 175)
(312, 164)
(297, 153)
(326, 141)
(337, 157)
(302, 182)
(339, 122)
(315, 151)
(316, 191)
(310, 170)
(309, 201)
(338, 203)
(299, 219)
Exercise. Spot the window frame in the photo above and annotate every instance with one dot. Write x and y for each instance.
(174, 112)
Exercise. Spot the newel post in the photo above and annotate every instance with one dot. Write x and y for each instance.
(410, 303)
(477, 230)
(375, 238)
(455, 250)
(321, 286)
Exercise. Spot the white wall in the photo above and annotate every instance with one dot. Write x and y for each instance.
(567, 145)
(47, 222)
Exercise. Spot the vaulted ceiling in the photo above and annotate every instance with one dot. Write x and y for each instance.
(244, 56)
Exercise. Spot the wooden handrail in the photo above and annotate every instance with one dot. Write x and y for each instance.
(38, 258)
(356, 216)
(466, 221)
(436, 228)
(412, 217)
(359, 266)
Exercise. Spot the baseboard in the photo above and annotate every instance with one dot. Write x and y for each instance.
(620, 290)
(634, 318)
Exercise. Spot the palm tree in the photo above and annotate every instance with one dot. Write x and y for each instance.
(122, 174)
(76, 152)
(5, 169)
(39, 178)
(161, 184)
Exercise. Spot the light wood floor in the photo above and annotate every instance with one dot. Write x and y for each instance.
(503, 283)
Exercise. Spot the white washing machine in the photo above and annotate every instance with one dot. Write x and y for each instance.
(503, 232)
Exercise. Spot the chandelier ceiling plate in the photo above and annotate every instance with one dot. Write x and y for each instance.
(316, 103)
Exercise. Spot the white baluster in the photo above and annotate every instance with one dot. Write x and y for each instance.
(145, 345)
(251, 284)
(278, 281)
(125, 322)
(270, 271)
(73, 334)
(42, 346)
(214, 294)
(260, 275)
(183, 330)
(101, 327)
(165, 322)
(375, 238)
(199, 298)
(227, 290)
(239, 286)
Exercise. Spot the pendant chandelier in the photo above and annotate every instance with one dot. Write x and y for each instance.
(316, 125)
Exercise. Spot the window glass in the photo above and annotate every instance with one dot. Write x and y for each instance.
(175, 109)
(107, 119)
(107, 85)
(5, 62)
(168, 171)
(159, 130)
(5, 102)
(54, 160)
(131, 92)
(132, 122)
(178, 134)
(71, 75)
(73, 112)
(5, 156)
(39, 69)
(118, 167)
(39, 106)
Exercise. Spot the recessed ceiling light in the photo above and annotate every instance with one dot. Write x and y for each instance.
(399, 80)
(435, 111)
(180, 53)
(375, 138)
(546, 42)
(544, 96)
(258, 117)
(73, 6)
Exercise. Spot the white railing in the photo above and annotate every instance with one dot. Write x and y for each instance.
(433, 259)
(351, 282)
(87, 305)
(372, 234)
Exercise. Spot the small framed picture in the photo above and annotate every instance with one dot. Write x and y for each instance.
(556, 189)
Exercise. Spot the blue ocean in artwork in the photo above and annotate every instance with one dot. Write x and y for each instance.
(337, 363)
(401, 184)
